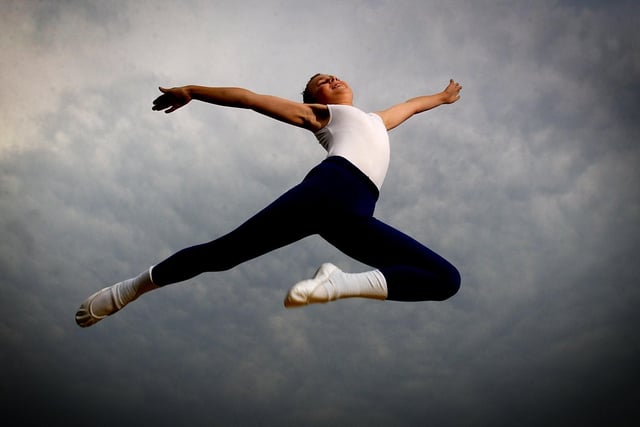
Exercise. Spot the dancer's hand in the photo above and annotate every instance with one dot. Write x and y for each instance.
(451, 93)
(171, 99)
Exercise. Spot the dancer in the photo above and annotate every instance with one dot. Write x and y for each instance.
(336, 200)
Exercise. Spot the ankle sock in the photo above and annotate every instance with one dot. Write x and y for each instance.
(111, 299)
(369, 284)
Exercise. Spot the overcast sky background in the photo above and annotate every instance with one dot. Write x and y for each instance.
(529, 185)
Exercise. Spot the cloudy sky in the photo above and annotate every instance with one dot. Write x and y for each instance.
(529, 185)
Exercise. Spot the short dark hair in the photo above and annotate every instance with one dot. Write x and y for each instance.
(307, 96)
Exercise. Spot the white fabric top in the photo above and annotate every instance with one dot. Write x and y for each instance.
(359, 137)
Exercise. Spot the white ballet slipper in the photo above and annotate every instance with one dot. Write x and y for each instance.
(85, 316)
(303, 293)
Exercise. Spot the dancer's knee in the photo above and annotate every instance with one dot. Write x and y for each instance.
(450, 284)
(455, 281)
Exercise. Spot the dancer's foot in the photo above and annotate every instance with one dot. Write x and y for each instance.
(101, 304)
(108, 301)
(312, 290)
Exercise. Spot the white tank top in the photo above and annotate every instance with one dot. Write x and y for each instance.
(359, 137)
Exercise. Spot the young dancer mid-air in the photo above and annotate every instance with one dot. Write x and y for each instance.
(336, 200)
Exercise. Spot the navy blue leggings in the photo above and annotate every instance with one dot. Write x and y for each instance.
(335, 200)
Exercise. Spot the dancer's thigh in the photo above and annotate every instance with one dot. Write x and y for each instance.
(379, 245)
(289, 218)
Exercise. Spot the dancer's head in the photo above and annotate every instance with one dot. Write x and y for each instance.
(327, 89)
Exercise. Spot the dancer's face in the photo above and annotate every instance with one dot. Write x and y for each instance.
(328, 89)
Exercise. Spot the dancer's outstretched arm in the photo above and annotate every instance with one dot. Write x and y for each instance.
(307, 116)
(399, 113)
